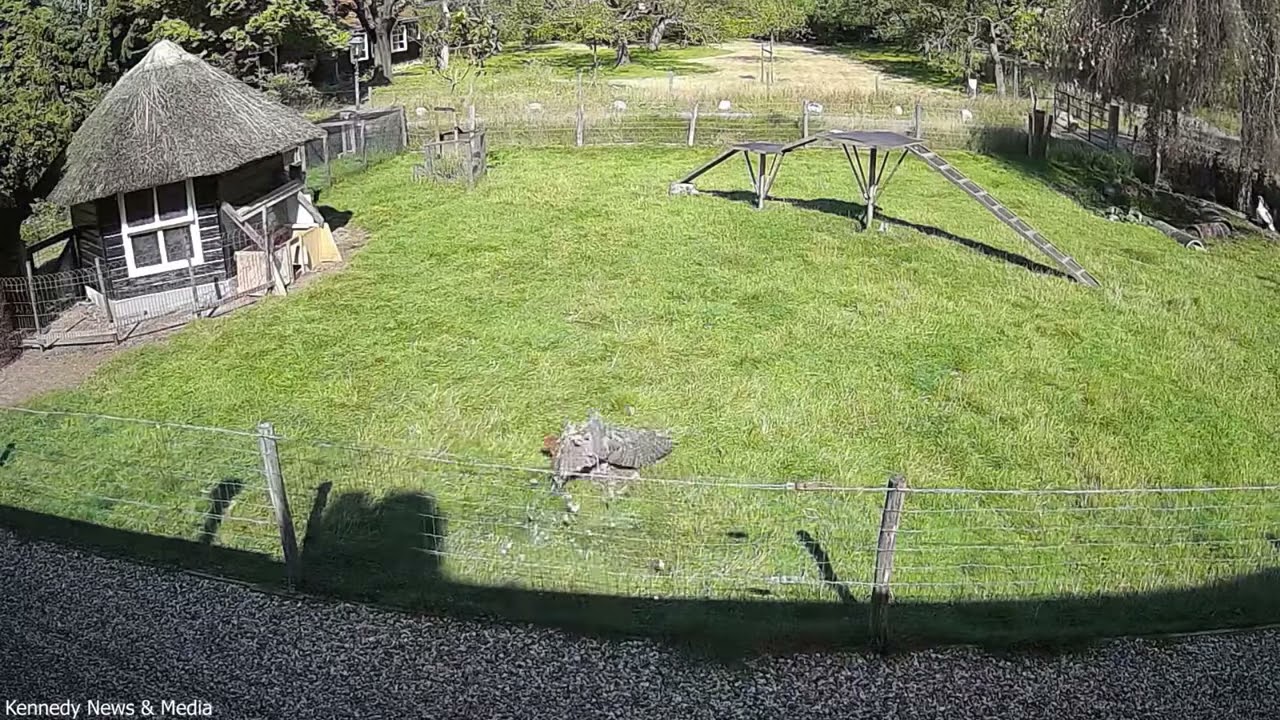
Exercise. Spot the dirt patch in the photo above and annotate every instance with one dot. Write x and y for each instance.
(35, 373)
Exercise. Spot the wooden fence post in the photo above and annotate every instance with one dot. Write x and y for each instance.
(106, 298)
(671, 82)
(195, 292)
(693, 124)
(31, 294)
(471, 118)
(580, 124)
(404, 128)
(880, 591)
(919, 128)
(804, 119)
(279, 500)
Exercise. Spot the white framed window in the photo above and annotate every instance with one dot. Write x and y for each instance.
(400, 38)
(160, 228)
(359, 46)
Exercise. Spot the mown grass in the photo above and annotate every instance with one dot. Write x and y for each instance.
(782, 344)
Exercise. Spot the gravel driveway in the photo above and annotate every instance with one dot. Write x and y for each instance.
(79, 627)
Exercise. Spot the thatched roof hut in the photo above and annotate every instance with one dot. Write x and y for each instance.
(179, 172)
(170, 118)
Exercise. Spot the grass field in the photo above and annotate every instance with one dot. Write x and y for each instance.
(776, 345)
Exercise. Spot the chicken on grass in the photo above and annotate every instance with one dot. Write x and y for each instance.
(600, 450)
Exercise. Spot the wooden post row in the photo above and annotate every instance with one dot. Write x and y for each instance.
(881, 587)
(279, 501)
(693, 124)
(804, 119)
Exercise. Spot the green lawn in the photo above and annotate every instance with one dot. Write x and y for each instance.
(527, 71)
(780, 344)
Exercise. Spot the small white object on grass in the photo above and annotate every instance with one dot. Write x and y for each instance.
(815, 108)
(966, 115)
(725, 105)
(620, 105)
(420, 111)
(897, 110)
(535, 106)
(1264, 215)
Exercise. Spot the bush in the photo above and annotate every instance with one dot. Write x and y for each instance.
(291, 87)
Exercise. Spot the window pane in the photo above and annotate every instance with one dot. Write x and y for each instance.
(177, 243)
(139, 207)
(278, 215)
(173, 200)
(146, 249)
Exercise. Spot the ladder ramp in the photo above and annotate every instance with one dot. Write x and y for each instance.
(1005, 215)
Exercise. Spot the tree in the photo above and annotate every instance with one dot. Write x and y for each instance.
(1259, 93)
(50, 72)
(378, 18)
(245, 37)
(473, 31)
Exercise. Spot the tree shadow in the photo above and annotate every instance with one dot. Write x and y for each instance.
(385, 551)
(898, 62)
(220, 498)
(382, 550)
(825, 570)
(574, 59)
(854, 211)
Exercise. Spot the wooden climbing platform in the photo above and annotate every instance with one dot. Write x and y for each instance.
(872, 180)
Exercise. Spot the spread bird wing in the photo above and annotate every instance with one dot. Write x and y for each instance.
(633, 448)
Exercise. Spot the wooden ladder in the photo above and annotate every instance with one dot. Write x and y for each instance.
(1007, 216)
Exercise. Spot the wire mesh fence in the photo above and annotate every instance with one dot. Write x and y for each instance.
(373, 518)
(92, 304)
(354, 141)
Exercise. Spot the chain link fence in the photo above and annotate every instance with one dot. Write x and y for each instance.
(385, 523)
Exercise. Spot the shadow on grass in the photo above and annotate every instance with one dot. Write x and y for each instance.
(899, 62)
(371, 551)
(855, 211)
(643, 61)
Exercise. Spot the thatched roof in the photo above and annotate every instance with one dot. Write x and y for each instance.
(174, 117)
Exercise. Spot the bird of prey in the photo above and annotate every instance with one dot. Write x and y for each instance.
(1264, 215)
(598, 449)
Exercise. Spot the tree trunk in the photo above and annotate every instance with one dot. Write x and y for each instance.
(442, 60)
(999, 68)
(623, 56)
(656, 33)
(595, 54)
(382, 51)
(13, 252)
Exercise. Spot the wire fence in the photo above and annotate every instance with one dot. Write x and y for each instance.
(377, 520)
(49, 306)
(710, 122)
(354, 141)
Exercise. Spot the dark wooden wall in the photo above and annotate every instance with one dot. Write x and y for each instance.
(110, 245)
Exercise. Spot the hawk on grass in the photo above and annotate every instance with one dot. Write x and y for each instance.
(598, 449)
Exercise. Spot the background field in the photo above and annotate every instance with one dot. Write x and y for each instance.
(777, 346)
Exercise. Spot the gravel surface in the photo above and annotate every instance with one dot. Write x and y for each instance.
(80, 627)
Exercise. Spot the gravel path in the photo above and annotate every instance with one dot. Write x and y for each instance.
(79, 627)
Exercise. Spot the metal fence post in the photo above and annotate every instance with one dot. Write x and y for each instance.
(880, 591)
(31, 294)
(693, 124)
(106, 298)
(919, 129)
(279, 500)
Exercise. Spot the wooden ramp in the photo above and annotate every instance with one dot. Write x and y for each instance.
(1007, 216)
